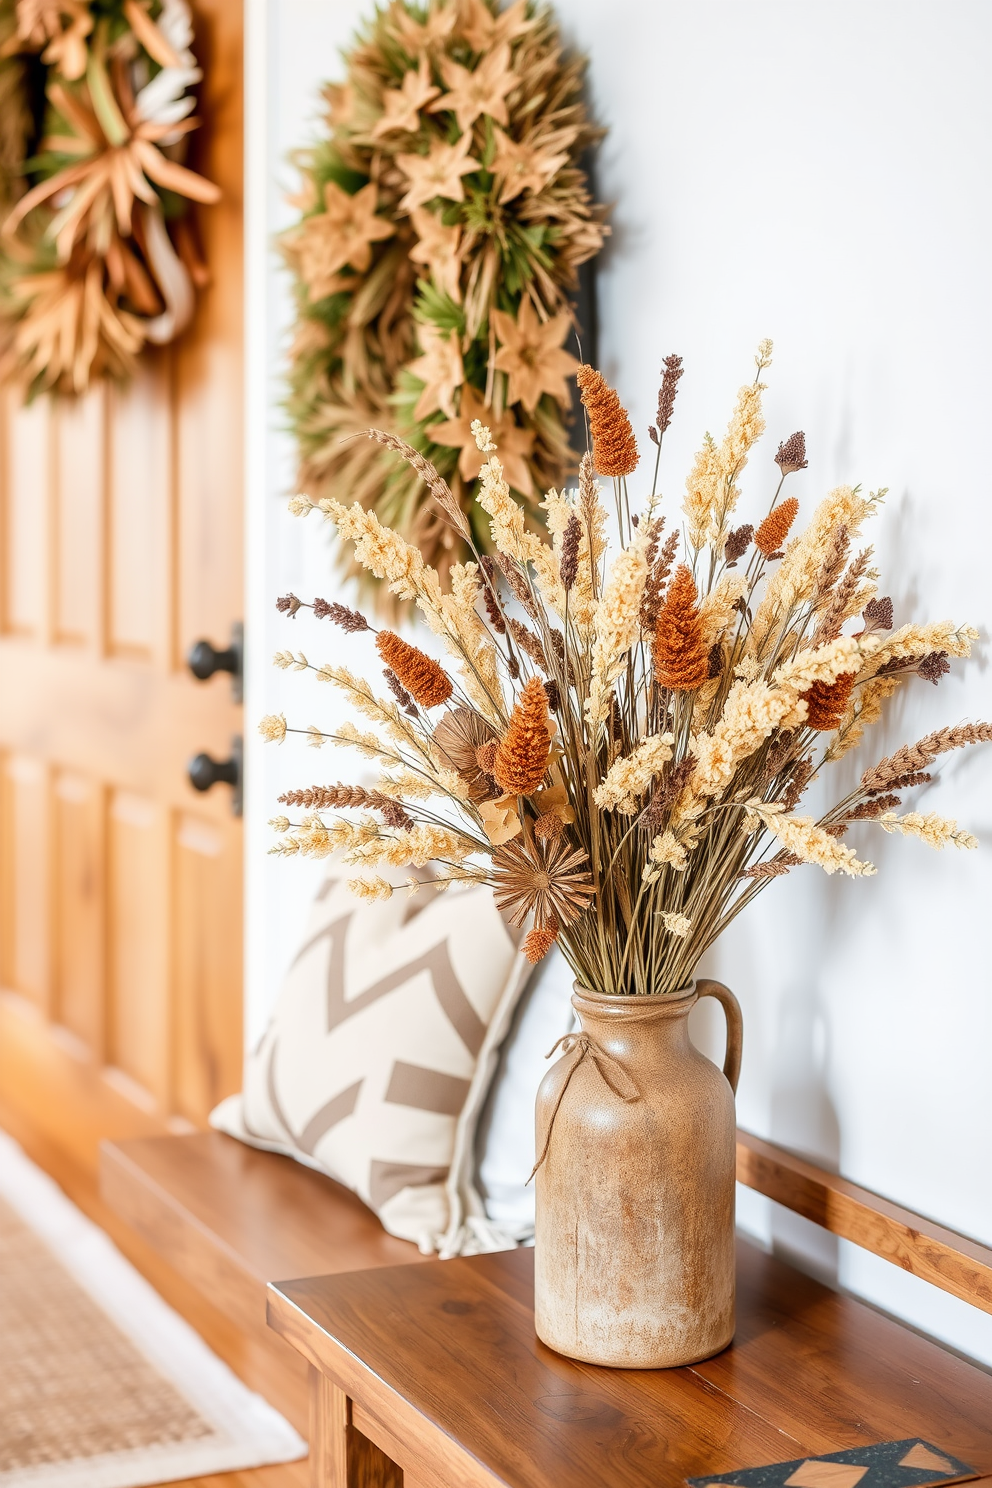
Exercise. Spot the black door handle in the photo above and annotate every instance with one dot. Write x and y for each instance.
(204, 771)
(204, 659)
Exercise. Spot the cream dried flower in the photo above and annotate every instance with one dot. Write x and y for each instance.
(936, 831)
(417, 847)
(667, 851)
(676, 924)
(273, 727)
(371, 888)
(809, 842)
(628, 778)
(617, 623)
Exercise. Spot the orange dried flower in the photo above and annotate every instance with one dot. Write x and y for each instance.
(827, 702)
(426, 682)
(522, 756)
(681, 655)
(485, 756)
(614, 448)
(538, 942)
(775, 528)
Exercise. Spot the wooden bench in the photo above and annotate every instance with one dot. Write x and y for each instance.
(230, 1220)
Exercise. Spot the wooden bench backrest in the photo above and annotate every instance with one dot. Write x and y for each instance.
(950, 1261)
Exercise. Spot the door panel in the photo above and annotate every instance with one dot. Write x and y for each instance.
(121, 544)
(80, 908)
(77, 512)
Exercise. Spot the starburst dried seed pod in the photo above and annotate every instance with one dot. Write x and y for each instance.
(737, 544)
(288, 604)
(666, 393)
(775, 528)
(826, 702)
(792, 454)
(538, 942)
(614, 448)
(681, 656)
(350, 620)
(428, 684)
(549, 880)
(569, 564)
(522, 756)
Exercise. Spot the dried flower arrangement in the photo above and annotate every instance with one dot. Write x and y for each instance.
(443, 220)
(625, 747)
(97, 256)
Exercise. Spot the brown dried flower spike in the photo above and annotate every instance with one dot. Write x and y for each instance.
(775, 528)
(522, 756)
(426, 682)
(614, 448)
(827, 701)
(681, 656)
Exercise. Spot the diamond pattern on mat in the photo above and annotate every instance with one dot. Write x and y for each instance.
(71, 1385)
(894, 1464)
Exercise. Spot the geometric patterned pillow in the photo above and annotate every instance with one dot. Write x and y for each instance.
(380, 1050)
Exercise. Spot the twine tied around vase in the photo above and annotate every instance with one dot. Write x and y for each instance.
(612, 1072)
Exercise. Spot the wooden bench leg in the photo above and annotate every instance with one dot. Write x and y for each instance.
(328, 1433)
(340, 1456)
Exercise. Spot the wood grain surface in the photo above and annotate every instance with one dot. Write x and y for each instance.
(936, 1254)
(229, 1219)
(447, 1375)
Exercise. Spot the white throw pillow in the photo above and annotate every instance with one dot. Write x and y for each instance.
(505, 1142)
(381, 1049)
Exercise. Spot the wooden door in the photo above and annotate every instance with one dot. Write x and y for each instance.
(120, 545)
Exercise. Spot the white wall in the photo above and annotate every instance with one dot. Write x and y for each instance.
(817, 171)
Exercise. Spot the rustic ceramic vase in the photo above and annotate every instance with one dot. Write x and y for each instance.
(634, 1263)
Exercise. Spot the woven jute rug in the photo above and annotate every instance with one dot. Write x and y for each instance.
(101, 1384)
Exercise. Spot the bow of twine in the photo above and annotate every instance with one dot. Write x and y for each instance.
(613, 1074)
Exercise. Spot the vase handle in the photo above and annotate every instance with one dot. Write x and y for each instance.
(735, 1026)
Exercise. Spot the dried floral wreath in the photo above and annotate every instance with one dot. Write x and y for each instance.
(620, 749)
(97, 254)
(444, 217)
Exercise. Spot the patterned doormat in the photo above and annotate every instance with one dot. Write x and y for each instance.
(101, 1384)
(912, 1463)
